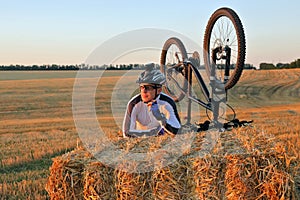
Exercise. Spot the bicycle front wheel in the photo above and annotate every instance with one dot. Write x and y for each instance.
(225, 29)
(171, 65)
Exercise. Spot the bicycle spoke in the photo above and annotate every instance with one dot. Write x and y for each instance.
(172, 55)
(224, 29)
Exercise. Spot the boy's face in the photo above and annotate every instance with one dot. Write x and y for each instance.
(148, 92)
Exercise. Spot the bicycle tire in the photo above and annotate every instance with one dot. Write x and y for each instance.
(181, 77)
(238, 62)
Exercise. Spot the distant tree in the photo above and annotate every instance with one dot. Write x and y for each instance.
(267, 66)
(293, 64)
(298, 63)
(249, 66)
(282, 65)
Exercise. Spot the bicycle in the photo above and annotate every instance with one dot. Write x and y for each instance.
(224, 52)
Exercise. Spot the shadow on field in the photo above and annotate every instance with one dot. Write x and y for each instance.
(37, 164)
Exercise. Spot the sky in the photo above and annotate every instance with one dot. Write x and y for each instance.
(68, 31)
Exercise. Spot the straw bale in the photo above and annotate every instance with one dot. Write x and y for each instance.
(65, 180)
(131, 185)
(267, 176)
(98, 183)
(240, 165)
(175, 181)
(236, 187)
(208, 177)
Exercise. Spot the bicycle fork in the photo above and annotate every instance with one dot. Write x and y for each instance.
(189, 90)
(218, 92)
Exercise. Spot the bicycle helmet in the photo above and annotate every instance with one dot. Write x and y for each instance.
(151, 76)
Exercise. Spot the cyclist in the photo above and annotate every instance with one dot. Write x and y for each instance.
(151, 112)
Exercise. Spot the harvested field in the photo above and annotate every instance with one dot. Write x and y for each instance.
(38, 126)
(246, 163)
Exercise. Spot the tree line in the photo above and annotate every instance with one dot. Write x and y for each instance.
(292, 65)
(39, 67)
(86, 67)
(262, 66)
(71, 67)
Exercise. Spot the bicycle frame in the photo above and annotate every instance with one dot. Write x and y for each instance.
(189, 68)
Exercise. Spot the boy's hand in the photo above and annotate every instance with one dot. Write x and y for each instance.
(156, 113)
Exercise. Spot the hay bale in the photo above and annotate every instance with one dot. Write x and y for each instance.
(66, 175)
(132, 185)
(97, 182)
(174, 181)
(238, 167)
(236, 186)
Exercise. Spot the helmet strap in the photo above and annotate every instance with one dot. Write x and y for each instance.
(156, 88)
(156, 95)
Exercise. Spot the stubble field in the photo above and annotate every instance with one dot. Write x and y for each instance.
(37, 122)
